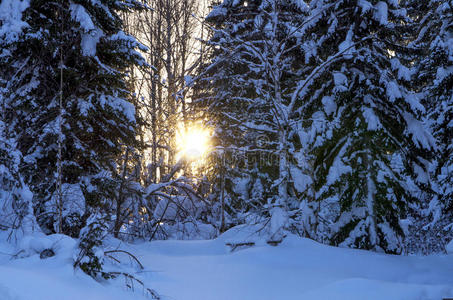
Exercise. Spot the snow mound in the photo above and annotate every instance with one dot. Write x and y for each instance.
(243, 234)
(449, 247)
(34, 244)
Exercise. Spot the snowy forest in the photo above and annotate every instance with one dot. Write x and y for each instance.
(274, 126)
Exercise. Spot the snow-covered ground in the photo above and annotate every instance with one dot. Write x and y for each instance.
(207, 270)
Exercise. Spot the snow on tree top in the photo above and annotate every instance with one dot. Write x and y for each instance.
(11, 18)
(91, 34)
(381, 13)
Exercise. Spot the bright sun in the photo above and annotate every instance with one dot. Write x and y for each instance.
(193, 143)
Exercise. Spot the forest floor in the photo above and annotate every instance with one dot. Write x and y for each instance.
(207, 270)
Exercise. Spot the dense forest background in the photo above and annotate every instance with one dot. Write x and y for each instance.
(328, 119)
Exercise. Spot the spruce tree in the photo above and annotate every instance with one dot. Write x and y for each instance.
(83, 42)
(65, 90)
(361, 125)
(435, 78)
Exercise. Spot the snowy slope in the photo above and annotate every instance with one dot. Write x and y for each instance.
(54, 278)
(206, 270)
(298, 269)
